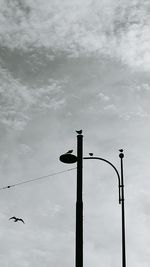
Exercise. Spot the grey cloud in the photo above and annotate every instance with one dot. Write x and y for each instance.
(119, 29)
(17, 100)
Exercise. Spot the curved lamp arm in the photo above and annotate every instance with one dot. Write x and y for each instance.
(118, 175)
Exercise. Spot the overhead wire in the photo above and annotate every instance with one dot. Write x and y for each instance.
(35, 179)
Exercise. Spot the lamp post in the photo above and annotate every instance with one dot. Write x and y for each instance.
(121, 155)
(70, 158)
(121, 199)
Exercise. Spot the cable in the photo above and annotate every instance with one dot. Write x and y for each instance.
(35, 179)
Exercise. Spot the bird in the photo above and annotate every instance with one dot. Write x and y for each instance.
(69, 151)
(121, 150)
(91, 154)
(16, 219)
(79, 132)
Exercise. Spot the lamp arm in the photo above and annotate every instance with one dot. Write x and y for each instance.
(107, 161)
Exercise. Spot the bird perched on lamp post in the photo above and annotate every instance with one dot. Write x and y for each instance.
(79, 132)
(69, 151)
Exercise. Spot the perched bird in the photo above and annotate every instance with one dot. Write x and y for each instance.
(79, 132)
(121, 150)
(16, 219)
(69, 152)
(91, 154)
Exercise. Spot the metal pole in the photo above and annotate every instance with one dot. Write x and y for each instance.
(118, 175)
(121, 155)
(79, 204)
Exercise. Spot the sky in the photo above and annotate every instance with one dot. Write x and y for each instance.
(65, 66)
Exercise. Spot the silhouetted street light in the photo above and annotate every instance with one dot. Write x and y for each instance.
(69, 158)
(121, 200)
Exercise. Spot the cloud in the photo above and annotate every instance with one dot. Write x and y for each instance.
(104, 97)
(140, 88)
(18, 102)
(119, 29)
(110, 107)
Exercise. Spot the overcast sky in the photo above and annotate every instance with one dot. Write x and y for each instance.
(64, 66)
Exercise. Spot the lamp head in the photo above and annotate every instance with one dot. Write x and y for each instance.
(121, 155)
(68, 158)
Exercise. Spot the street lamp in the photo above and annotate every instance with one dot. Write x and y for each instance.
(70, 158)
(121, 199)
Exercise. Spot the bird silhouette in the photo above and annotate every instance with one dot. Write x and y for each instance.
(91, 154)
(69, 151)
(16, 219)
(79, 132)
(121, 150)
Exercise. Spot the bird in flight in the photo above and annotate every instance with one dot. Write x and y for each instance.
(69, 151)
(121, 150)
(16, 219)
(79, 132)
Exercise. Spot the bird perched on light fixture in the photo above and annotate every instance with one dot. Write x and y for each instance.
(16, 219)
(69, 151)
(79, 132)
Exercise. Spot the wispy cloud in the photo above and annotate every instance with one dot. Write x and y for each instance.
(104, 97)
(17, 100)
(119, 29)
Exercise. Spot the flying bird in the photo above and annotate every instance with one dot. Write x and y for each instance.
(91, 154)
(69, 152)
(121, 150)
(16, 219)
(79, 132)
